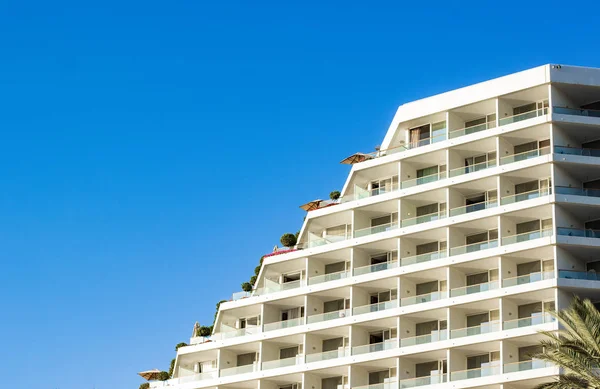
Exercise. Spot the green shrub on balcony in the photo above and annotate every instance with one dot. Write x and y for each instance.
(246, 287)
(335, 195)
(288, 240)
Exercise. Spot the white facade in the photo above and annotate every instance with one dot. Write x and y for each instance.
(437, 266)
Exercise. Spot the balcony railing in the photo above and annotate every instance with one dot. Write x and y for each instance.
(236, 333)
(524, 155)
(283, 324)
(273, 288)
(473, 207)
(579, 275)
(362, 193)
(577, 151)
(375, 268)
(540, 318)
(534, 194)
(428, 141)
(470, 289)
(375, 307)
(577, 191)
(240, 295)
(327, 355)
(423, 258)
(184, 379)
(238, 370)
(424, 339)
(277, 363)
(328, 316)
(527, 278)
(423, 298)
(473, 168)
(391, 384)
(526, 365)
(423, 219)
(375, 230)
(579, 232)
(323, 241)
(422, 381)
(522, 116)
(484, 371)
(423, 180)
(328, 277)
(471, 129)
(526, 236)
(375, 347)
(576, 111)
(483, 328)
(473, 247)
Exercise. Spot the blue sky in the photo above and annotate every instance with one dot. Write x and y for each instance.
(151, 152)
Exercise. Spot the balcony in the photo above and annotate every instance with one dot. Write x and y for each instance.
(377, 307)
(423, 180)
(423, 258)
(422, 381)
(423, 298)
(277, 363)
(577, 151)
(565, 190)
(528, 321)
(384, 385)
(526, 365)
(473, 247)
(274, 287)
(362, 193)
(424, 339)
(483, 328)
(576, 111)
(527, 278)
(376, 229)
(470, 289)
(327, 355)
(328, 316)
(523, 116)
(471, 130)
(473, 207)
(375, 347)
(524, 156)
(423, 219)
(527, 236)
(236, 333)
(492, 369)
(238, 370)
(578, 232)
(534, 194)
(472, 168)
(579, 275)
(375, 268)
(283, 324)
(328, 277)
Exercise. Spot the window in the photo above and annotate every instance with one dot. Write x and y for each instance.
(384, 185)
(288, 352)
(427, 287)
(478, 278)
(335, 267)
(247, 359)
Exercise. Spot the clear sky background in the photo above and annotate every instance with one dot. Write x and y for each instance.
(152, 151)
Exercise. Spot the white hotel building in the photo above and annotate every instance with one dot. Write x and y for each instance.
(437, 266)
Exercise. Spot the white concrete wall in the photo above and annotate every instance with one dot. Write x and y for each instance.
(359, 376)
(314, 306)
(311, 381)
(315, 268)
(226, 359)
